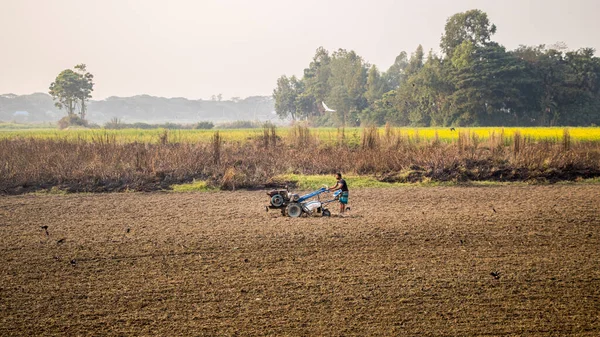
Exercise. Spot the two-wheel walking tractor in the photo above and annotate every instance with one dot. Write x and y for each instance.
(294, 205)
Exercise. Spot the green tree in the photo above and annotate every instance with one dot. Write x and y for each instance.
(489, 86)
(86, 87)
(567, 89)
(473, 26)
(349, 72)
(434, 88)
(306, 105)
(582, 94)
(422, 99)
(342, 104)
(376, 85)
(71, 90)
(396, 72)
(383, 111)
(316, 76)
(64, 90)
(286, 95)
(546, 69)
(416, 62)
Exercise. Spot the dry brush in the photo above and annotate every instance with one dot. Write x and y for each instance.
(102, 164)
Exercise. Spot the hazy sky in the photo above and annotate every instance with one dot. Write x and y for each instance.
(197, 48)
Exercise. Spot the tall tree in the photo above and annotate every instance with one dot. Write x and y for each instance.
(286, 95)
(342, 103)
(316, 76)
(568, 84)
(384, 111)
(582, 97)
(306, 105)
(71, 89)
(416, 62)
(376, 85)
(349, 72)
(473, 26)
(547, 70)
(489, 84)
(86, 88)
(434, 87)
(64, 91)
(396, 73)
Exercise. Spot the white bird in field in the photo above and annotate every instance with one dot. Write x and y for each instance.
(327, 108)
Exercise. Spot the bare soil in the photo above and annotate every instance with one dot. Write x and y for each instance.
(452, 261)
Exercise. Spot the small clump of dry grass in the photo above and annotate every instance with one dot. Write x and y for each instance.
(370, 138)
(301, 137)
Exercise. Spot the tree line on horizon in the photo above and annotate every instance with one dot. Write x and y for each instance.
(40, 108)
(474, 82)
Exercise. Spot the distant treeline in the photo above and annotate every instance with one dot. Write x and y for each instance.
(116, 124)
(39, 107)
(474, 82)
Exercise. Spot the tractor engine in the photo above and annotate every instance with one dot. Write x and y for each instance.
(279, 198)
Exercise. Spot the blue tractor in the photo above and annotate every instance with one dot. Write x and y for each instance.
(294, 205)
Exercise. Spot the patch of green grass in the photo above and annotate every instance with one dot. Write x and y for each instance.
(581, 181)
(489, 183)
(313, 182)
(592, 180)
(194, 186)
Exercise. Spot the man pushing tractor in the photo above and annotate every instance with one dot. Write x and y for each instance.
(294, 205)
(343, 187)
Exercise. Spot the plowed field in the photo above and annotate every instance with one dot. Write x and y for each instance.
(448, 261)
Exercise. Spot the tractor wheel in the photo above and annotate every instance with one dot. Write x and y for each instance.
(294, 210)
(277, 200)
(326, 212)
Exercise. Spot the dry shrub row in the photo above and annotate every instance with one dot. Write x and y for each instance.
(103, 165)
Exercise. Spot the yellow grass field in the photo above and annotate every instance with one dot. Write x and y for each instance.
(324, 135)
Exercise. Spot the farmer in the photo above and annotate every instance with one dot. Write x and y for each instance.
(341, 185)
